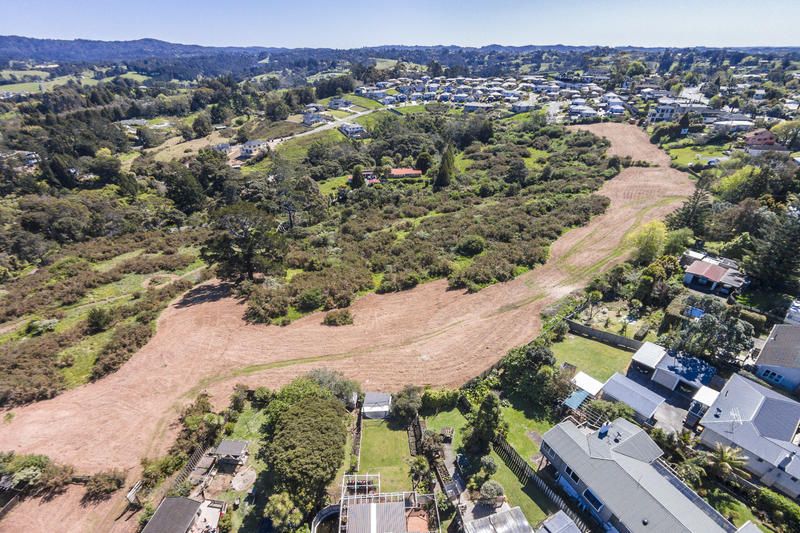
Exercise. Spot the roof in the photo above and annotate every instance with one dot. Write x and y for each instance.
(619, 463)
(586, 382)
(759, 420)
(377, 399)
(233, 448)
(376, 518)
(405, 172)
(690, 369)
(707, 270)
(576, 399)
(558, 523)
(642, 400)
(510, 521)
(650, 354)
(705, 395)
(782, 347)
(174, 515)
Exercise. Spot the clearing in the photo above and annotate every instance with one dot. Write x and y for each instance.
(428, 335)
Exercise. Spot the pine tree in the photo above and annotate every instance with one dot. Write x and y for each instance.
(692, 214)
(357, 181)
(775, 262)
(446, 171)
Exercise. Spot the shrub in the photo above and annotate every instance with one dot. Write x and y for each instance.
(99, 319)
(779, 508)
(310, 300)
(338, 317)
(758, 321)
(103, 484)
(490, 491)
(266, 303)
(434, 400)
(400, 281)
(471, 245)
(127, 339)
(146, 514)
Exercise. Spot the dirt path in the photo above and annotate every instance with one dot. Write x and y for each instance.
(428, 335)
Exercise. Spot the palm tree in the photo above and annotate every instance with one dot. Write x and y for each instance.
(726, 461)
(691, 471)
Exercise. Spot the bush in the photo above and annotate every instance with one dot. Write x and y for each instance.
(400, 281)
(99, 319)
(338, 317)
(490, 491)
(406, 404)
(146, 514)
(434, 400)
(310, 300)
(758, 321)
(266, 303)
(471, 245)
(127, 339)
(779, 508)
(103, 484)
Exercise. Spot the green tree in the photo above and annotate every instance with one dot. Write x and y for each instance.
(648, 242)
(244, 242)
(485, 426)
(99, 319)
(726, 461)
(283, 513)
(357, 181)
(677, 241)
(775, 262)
(424, 162)
(406, 404)
(592, 298)
(490, 491)
(201, 126)
(446, 170)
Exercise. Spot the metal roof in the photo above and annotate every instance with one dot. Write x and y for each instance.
(576, 399)
(559, 523)
(234, 448)
(376, 518)
(586, 382)
(619, 463)
(782, 347)
(690, 369)
(642, 400)
(377, 399)
(510, 521)
(174, 515)
(760, 421)
(650, 354)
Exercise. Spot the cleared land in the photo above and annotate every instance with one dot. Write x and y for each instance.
(428, 335)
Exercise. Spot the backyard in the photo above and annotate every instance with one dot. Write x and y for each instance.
(594, 358)
(384, 451)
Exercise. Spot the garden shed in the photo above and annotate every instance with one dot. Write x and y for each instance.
(376, 405)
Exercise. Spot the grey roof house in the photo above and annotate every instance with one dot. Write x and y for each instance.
(642, 400)
(616, 475)
(779, 359)
(764, 425)
(673, 370)
(174, 515)
(376, 405)
(234, 451)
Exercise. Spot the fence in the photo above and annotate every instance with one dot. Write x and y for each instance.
(9, 505)
(525, 473)
(186, 470)
(357, 440)
(612, 339)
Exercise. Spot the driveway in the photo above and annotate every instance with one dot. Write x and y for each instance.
(670, 414)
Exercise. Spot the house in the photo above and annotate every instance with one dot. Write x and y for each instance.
(405, 173)
(779, 359)
(251, 148)
(310, 118)
(719, 276)
(672, 371)
(764, 425)
(616, 474)
(760, 137)
(523, 106)
(511, 520)
(231, 451)
(173, 515)
(793, 314)
(353, 131)
(223, 148)
(642, 400)
(558, 523)
(339, 103)
(477, 106)
(376, 405)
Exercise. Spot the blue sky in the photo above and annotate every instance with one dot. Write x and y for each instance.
(354, 23)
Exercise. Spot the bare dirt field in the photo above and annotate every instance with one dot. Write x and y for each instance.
(428, 335)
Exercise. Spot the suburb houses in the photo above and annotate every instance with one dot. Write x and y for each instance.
(761, 140)
(715, 275)
(764, 425)
(616, 474)
(779, 359)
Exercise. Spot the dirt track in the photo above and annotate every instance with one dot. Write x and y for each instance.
(428, 335)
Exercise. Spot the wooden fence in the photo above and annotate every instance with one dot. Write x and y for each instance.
(612, 339)
(357, 439)
(525, 473)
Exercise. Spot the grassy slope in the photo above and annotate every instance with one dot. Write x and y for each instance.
(295, 149)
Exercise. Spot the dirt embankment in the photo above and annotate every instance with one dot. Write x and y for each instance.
(428, 335)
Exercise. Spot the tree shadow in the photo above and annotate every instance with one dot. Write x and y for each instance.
(204, 294)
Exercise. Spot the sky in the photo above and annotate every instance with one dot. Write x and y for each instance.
(356, 23)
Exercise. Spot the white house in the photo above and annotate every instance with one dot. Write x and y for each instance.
(251, 148)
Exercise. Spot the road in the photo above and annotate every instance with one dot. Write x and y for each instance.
(273, 143)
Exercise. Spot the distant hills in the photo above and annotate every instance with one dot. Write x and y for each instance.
(14, 47)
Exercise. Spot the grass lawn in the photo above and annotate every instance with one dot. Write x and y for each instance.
(384, 451)
(411, 109)
(534, 504)
(444, 419)
(295, 149)
(522, 419)
(359, 101)
(595, 358)
(730, 507)
(330, 186)
(685, 156)
(368, 121)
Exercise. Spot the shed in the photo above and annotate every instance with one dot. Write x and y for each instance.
(643, 401)
(234, 451)
(587, 383)
(649, 355)
(376, 405)
(558, 523)
(174, 515)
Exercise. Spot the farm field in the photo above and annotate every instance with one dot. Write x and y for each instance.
(384, 451)
(428, 335)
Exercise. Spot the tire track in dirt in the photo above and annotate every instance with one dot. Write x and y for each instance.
(427, 335)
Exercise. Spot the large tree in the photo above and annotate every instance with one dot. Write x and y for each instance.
(485, 426)
(245, 242)
(775, 262)
(446, 170)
